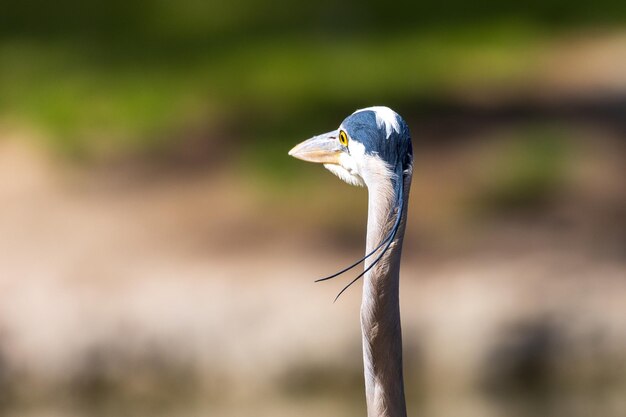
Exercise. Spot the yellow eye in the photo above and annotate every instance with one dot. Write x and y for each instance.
(343, 138)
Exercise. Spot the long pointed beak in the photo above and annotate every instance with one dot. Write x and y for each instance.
(321, 149)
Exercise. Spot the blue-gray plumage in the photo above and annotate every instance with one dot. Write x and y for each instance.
(372, 148)
(391, 145)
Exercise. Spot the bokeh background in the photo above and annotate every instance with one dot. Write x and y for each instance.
(158, 246)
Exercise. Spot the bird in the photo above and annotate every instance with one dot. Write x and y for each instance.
(372, 148)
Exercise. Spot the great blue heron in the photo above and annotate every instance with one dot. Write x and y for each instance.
(372, 148)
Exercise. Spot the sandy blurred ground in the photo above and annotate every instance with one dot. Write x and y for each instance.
(116, 291)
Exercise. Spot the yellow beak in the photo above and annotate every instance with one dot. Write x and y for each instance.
(322, 149)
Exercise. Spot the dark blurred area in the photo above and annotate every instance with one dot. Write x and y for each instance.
(158, 246)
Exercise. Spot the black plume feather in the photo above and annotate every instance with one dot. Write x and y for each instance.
(386, 241)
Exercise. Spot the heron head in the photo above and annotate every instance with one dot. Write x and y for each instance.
(372, 147)
(370, 144)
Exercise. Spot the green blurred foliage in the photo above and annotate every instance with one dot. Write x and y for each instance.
(146, 20)
(270, 82)
(105, 76)
(528, 171)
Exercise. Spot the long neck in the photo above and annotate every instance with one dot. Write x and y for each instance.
(380, 309)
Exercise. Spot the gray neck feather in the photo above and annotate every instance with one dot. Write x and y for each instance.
(380, 309)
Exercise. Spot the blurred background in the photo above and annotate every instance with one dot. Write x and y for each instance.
(158, 247)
